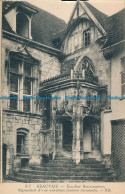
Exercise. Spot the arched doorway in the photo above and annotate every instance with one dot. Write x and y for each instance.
(91, 135)
(67, 135)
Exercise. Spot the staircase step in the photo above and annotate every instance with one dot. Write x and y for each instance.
(63, 160)
(63, 178)
(44, 176)
(59, 173)
(64, 169)
(60, 164)
(77, 169)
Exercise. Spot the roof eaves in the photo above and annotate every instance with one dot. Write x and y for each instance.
(20, 3)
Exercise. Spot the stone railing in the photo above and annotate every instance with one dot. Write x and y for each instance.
(55, 79)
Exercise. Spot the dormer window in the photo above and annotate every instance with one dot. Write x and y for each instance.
(22, 15)
(22, 25)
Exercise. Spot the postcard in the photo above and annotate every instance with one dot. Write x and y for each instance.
(62, 96)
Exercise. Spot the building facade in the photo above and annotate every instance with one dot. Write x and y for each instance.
(59, 86)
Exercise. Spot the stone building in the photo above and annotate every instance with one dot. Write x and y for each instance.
(59, 79)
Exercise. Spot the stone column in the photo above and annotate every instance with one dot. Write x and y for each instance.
(77, 159)
(53, 132)
(76, 133)
(74, 139)
(81, 137)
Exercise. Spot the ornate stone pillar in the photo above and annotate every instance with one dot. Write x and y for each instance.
(77, 159)
(81, 135)
(76, 132)
(74, 139)
(54, 132)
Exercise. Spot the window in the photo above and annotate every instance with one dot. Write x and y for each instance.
(14, 83)
(27, 87)
(86, 37)
(22, 25)
(45, 106)
(20, 84)
(13, 102)
(22, 141)
(123, 76)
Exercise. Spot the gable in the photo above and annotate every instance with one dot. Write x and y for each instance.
(78, 11)
(83, 9)
(82, 33)
(86, 22)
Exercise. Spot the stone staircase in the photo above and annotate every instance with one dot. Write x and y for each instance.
(63, 169)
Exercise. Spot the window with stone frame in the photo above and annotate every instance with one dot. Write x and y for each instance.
(22, 145)
(123, 76)
(21, 84)
(14, 77)
(86, 37)
(27, 87)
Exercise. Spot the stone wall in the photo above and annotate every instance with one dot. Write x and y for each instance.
(102, 66)
(13, 121)
(49, 64)
(106, 136)
(118, 112)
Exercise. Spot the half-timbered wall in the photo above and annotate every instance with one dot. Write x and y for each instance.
(76, 39)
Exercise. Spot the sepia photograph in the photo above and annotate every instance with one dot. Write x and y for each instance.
(63, 92)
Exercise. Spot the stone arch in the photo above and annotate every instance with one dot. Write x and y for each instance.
(25, 127)
(23, 130)
(82, 60)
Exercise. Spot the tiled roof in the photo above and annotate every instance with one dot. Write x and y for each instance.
(46, 27)
(101, 17)
(113, 25)
(115, 28)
